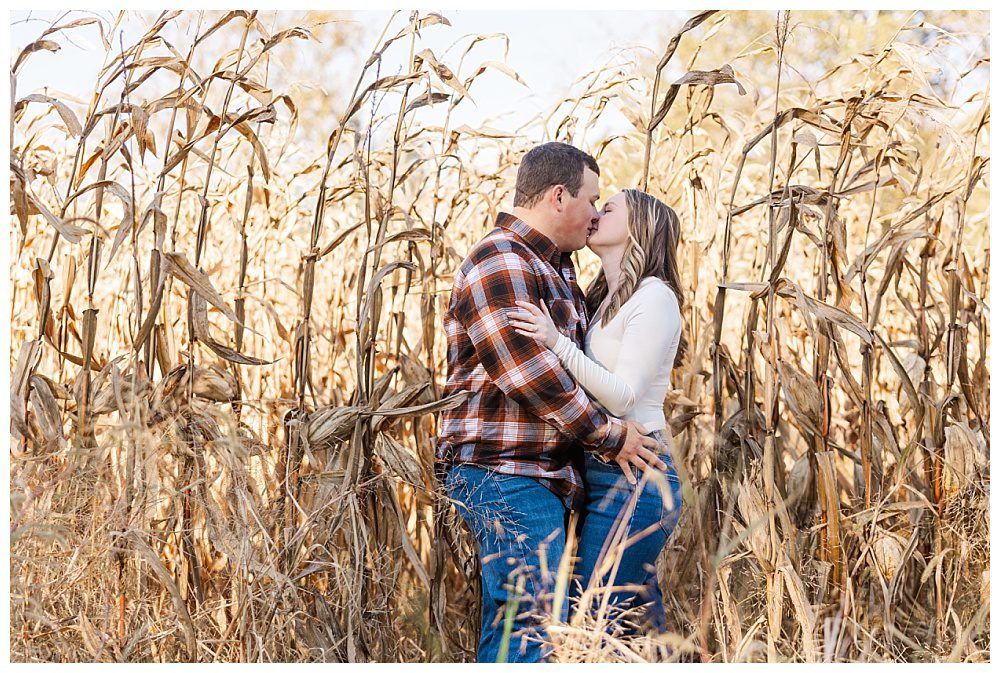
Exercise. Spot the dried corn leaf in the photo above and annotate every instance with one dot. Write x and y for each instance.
(65, 113)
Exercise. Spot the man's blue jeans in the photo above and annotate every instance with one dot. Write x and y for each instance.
(520, 527)
(623, 531)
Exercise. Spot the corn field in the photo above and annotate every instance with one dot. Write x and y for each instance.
(227, 348)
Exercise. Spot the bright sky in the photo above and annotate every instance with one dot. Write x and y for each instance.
(549, 49)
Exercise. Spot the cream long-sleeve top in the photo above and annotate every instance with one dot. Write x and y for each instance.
(625, 365)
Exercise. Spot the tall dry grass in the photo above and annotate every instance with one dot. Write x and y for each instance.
(227, 349)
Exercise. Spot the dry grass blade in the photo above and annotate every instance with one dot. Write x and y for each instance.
(187, 625)
(180, 268)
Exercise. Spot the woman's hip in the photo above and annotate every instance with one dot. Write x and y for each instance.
(656, 495)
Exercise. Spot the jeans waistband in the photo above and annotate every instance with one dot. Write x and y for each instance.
(661, 436)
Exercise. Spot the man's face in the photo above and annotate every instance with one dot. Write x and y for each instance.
(579, 213)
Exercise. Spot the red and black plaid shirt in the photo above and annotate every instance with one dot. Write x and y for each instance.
(526, 415)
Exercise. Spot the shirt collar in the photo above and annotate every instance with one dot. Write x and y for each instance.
(538, 241)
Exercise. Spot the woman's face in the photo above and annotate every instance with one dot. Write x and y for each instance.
(611, 230)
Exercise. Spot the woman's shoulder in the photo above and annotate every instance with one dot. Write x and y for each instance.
(653, 289)
(652, 309)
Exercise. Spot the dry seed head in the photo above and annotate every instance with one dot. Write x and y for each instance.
(172, 438)
(754, 512)
(414, 372)
(331, 424)
(959, 457)
(915, 367)
(883, 441)
(888, 553)
(250, 441)
(104, 399)
(399, 460)
(214, 384)
(58, 390)
(168, 387)
(802, 392)
(799, 479)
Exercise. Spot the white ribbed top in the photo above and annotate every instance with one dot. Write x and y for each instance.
(625, 365)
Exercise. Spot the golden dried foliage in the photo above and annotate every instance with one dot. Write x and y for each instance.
(227, 348)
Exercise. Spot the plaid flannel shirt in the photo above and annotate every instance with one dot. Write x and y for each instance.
(526, 415)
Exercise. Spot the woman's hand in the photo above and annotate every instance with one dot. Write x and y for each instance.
(534, 322)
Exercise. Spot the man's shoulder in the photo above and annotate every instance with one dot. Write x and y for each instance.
(498, 244)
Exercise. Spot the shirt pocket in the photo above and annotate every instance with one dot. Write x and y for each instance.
(565, 316)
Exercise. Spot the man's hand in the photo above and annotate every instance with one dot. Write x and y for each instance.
(639, 450)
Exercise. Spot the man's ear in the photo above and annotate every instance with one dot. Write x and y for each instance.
(558, 197)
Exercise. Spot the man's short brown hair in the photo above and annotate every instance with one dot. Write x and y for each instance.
(548, 165)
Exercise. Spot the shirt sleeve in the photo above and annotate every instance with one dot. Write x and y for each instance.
(652, 323)
(526, 371)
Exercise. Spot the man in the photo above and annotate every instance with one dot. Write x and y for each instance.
(511, 450)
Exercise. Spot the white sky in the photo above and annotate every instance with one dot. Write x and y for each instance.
(549, 49)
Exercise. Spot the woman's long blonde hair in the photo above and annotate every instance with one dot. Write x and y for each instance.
(654, 232)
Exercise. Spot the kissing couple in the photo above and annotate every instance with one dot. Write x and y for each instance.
(564, 411)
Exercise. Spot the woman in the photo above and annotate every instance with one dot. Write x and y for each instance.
(634, 342)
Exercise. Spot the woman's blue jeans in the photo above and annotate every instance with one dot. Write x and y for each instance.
(623, 531)
(520, 527)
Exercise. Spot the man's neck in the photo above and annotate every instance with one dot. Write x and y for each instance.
(535, 220)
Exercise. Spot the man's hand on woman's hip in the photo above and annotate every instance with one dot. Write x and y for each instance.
(639, 451)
